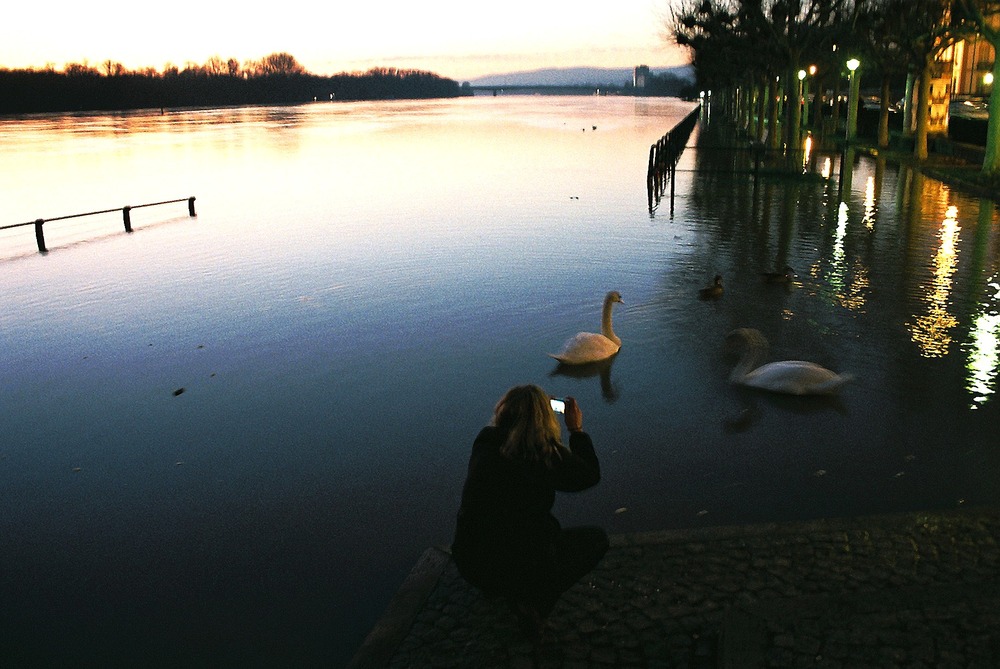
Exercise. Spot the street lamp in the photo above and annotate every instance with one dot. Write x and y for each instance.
(804, 97)
(852, 101)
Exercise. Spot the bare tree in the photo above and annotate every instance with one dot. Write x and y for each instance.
(215, 66)
(77, 69)
(112, 68)
(880, 27)
(280, 63)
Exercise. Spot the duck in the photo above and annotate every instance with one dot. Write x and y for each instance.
(585, 347)
(791, 377)
(786, 276)
(714, 291)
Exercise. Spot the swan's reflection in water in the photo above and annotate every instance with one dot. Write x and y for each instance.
(601, 368)
(750, 411)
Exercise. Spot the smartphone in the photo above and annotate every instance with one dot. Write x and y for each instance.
(558, 404)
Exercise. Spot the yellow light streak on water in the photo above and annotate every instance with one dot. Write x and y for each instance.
(827, 168)
(931, 331)
(870, 207)
(984, 354)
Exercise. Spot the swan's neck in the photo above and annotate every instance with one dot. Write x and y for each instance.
(606, 329)
(754, 348)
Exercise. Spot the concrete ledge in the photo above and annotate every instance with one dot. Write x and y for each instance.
(380, 644)
(899, 589)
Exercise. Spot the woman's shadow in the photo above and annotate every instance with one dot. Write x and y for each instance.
(602, 369)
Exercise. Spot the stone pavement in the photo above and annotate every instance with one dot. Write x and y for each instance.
(901, 590)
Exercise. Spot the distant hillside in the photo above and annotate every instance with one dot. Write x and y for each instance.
(578, 76)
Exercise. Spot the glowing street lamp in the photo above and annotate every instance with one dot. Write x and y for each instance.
(988, 79)
(852, 101)
(804, 96)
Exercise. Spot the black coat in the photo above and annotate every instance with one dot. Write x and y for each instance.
(506, 534)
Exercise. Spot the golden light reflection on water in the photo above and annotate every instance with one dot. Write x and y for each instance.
(827, 168)
(837, 257)
(848, 281)
(870, 207)
(931, 331)
(984, 352)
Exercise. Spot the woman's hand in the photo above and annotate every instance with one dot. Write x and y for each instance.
(573, 415)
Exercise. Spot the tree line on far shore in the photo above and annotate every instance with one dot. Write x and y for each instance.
(275, 79)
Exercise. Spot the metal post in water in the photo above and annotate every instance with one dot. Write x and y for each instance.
(127, 217)
(40, 236)
(191, 206)
(673, 180)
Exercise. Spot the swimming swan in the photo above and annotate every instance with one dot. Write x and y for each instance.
(587, 347)
(793, 377)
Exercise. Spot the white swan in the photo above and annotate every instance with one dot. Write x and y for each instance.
(589, 346)
(793, 377)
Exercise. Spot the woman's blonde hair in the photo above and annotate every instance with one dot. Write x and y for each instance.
(533, 431)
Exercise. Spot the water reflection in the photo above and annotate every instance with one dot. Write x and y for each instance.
(847, 282)
(870, 207)
(752, 403)
(984, 354)
(894, 238)
(601, 369)
(827, 168)
(931, 331)
(984, 346)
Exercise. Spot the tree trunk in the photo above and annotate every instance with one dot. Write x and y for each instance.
(923, 112)
(817, 108)
(883, 116)
(793, 133)
(746, 108)
(835, 114)
(991, 162)
(908, 104)
(761, 108)
(773, 135)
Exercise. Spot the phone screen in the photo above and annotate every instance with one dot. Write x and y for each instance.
(558, 405)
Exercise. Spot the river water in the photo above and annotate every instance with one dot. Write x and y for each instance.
(226, 439)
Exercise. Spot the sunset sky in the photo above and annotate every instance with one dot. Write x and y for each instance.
(454, 38)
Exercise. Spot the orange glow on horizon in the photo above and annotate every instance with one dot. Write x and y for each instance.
(448, 37)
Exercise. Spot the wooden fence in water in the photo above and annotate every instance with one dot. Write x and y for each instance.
(126, 218)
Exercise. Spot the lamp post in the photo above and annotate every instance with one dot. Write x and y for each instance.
(852, 100)
(803, 96)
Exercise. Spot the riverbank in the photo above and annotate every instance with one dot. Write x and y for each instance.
(955, 163)
(955, 159)
(911, 589)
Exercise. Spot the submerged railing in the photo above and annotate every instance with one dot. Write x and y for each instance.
(663, 157)
(126, 218)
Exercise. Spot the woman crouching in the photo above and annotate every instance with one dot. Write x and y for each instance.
(507, 542)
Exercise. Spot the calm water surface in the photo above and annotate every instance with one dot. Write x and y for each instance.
(360, 285)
